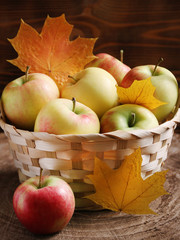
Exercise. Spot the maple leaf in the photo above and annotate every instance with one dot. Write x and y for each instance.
(51, 52)
(141, 93)
(123, 189)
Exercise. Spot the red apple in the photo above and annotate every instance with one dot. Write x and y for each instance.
(165, 83)
(44, 209)
(23, 98)
(111, 64)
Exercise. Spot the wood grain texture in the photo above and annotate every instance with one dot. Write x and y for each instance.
(146, 30)
(100, 224)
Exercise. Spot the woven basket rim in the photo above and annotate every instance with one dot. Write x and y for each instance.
(121, 134)
(71, 156)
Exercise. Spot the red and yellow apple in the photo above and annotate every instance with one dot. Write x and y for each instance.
(165, 83)
(94, 87)
(128, 117)
(111, 64)
(23, 98)
(64, 116)
(44, 209)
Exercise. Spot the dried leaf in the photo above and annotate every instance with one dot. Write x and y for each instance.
(51, 52)
(123, 189)
(141, 93)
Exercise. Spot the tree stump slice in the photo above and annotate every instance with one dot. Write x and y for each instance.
(98, 224)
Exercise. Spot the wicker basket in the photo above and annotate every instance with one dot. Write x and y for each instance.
(71, 157)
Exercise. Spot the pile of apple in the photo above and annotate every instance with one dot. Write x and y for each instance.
(90, 104)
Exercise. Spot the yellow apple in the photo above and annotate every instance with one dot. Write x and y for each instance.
(23, 98)
(94, 87)
(64, 116)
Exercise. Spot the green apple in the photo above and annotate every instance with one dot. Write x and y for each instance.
(111, 64)
(64, 116)
(128, 117)
(23, 98)
(94, 87)
(165, 83)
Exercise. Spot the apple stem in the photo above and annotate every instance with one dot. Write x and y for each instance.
(26, 74)
(158, 63)
(132, 119)
(69, 76)
(121, 55)
(40, 178)
(74, 104)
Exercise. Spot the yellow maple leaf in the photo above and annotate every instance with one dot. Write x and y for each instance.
(141, 93)
(123, 189)
(51, 52)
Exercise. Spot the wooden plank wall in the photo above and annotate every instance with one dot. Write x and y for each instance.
(146, 30)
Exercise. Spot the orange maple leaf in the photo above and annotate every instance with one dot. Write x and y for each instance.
(123, 189)
(141, 93)
(51, 52)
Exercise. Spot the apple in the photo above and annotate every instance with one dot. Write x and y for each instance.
(128, 117)
(165, 83)
(94, 87)
(64, 116)
(44, 208)
(111, 64)
(23, 98)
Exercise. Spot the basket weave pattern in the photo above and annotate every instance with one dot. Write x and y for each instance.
(72, 156)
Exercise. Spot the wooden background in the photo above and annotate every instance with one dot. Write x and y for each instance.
(146, 30)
